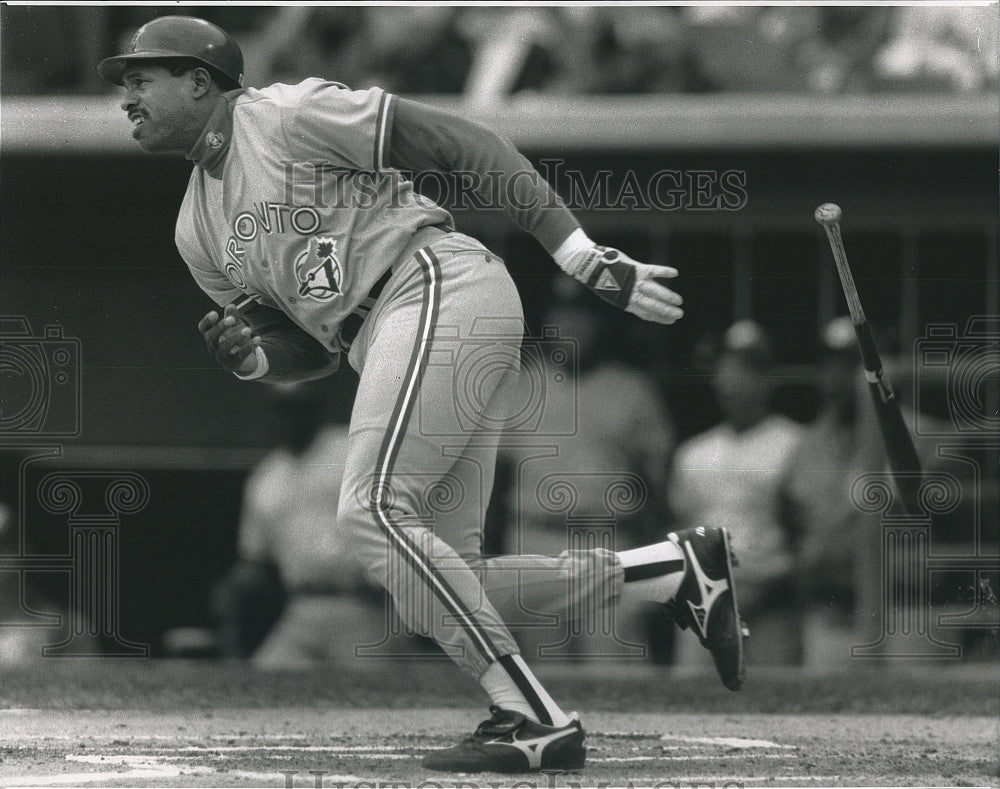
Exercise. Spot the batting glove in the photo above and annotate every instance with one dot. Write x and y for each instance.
(618, 279)
(230, 340)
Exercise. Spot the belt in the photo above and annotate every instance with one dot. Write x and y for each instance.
(352, 324)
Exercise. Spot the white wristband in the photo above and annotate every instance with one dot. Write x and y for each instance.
(568, 254)
(260, 370)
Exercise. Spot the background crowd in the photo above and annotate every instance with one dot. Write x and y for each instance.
(487, 53)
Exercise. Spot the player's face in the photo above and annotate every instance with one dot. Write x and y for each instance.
(161, 107)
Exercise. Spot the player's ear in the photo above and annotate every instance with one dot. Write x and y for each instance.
(202, 81)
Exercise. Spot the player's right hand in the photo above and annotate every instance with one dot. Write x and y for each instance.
(230, 340)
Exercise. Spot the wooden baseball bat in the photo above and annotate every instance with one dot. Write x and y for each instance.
(899, 448)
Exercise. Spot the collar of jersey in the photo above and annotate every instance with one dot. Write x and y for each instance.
(219, 127)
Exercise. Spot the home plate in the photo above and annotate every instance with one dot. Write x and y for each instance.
(727, 742)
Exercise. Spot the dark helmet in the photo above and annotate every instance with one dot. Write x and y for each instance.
(749, 341)
(179, 37)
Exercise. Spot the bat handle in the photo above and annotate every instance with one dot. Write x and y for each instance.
(870, 357)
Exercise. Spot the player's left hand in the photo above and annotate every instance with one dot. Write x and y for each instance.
(633, 286)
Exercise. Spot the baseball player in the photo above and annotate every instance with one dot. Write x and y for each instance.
(299, 224)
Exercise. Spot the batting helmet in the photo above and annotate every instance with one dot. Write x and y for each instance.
(178, 37)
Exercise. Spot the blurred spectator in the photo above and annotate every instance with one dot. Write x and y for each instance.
(405, 50)
(941, 48)
(419, 50)
(837, 567)
(291, 567)
(33, 613)
(787, 48)
(838, 57)
(617, 454)
(488, 53)
(42, 49)
(20, 644)
(635, 50)
(728, 476)
(745, 48)
(514, 50)
(816, 505)
(294, 40)
(577, 50)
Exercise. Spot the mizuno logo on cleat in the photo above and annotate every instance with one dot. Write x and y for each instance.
(709, 589)
(533, 748)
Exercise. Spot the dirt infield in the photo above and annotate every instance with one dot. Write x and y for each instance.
(202, 724)
(296, 747)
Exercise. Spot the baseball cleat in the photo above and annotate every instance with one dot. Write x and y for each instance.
(511, 743)
(706, 600)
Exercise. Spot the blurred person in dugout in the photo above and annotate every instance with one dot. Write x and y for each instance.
(294, 598)
(34, 610)
(600, 484)
(20, 644)
(842, 443)
(838, 545)
(728, 476)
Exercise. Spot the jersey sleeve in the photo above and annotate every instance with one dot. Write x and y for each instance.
(427, 138)
(330, 122)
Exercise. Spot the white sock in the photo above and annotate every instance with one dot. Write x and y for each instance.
(511, 685)
(653, 572)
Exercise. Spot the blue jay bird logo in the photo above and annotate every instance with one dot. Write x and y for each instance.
(318, 270)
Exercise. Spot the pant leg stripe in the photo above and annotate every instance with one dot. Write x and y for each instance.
(390, 450)
(527, 689)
